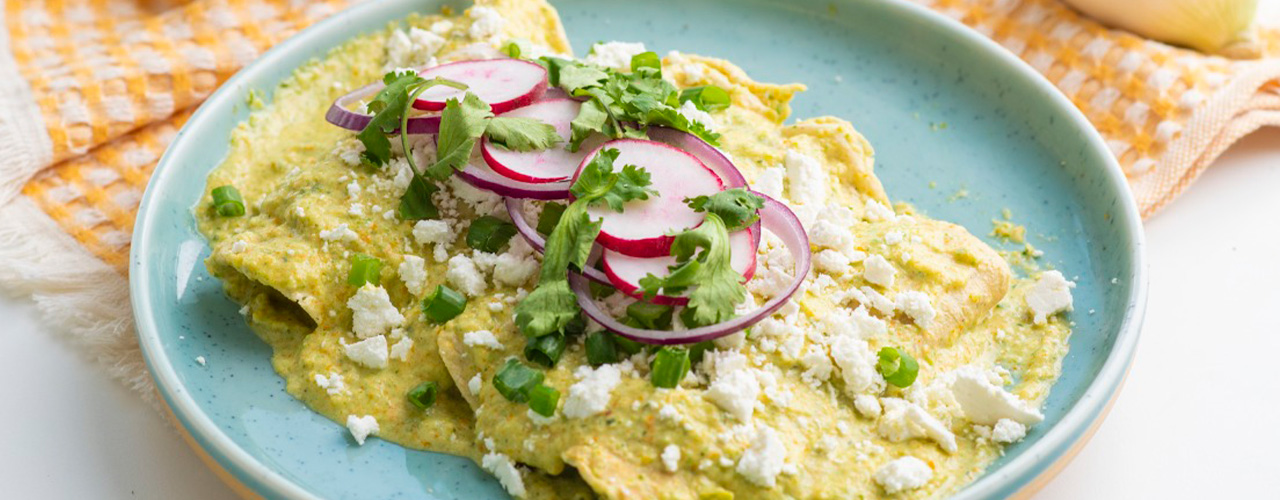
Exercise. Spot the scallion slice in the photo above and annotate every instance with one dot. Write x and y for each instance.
(490, 234)
(364, 269)
(545, 350)
(424, 395)
(600, 348)
(898, 367)
(515, 380)
(670, 366)
(443, 304)
(227, 201)
(543, 400)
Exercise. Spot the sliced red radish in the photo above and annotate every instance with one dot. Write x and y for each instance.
(549, 165)
(554, 93)
(646, 228)
(713, 158)
(775, 218)
(504, 84)
(625, 272)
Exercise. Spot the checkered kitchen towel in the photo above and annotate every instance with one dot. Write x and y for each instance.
(92, 91)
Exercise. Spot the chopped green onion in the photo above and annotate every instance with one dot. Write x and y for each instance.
(515, 380)
(600, 349)
(364, 269)
(707, 97)
(543, 400)
(600, 290)
(898, 367)
(626, 345)
(650, 316)
(545, 350)
(646, 60)
(550, 217)
(697, 350)
(490, 234)
(227, 201)
(670, 366)
(443, 304)
(511, 49)
(424, 395)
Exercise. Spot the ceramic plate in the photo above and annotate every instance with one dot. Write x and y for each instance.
(961, 128)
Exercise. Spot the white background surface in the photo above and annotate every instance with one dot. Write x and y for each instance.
(1198, 418)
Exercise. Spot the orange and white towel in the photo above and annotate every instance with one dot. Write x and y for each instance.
(92, 91)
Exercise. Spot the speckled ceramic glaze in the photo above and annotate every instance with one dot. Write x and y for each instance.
(947, 111)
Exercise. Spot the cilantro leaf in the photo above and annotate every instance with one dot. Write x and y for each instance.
(521, 134)
(579, 76)
(591, 118)
(552, 304)
(706, 97)
(737, 207)
(703, 260)
(388, 106)
(416, 201)
(461, 124)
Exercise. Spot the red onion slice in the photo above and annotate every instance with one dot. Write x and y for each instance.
(341, 114)
(481, 176)
(711, 157)
(515, 208)
(776, 218)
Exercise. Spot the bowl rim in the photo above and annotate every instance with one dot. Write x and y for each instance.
(1007, 480)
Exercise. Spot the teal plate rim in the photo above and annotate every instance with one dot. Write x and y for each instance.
(1026, 471)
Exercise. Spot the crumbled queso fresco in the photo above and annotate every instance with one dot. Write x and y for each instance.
(406, 330)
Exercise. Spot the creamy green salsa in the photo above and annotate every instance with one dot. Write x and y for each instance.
(794, 408)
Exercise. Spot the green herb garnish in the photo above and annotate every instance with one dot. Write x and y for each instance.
(650, 316)
(550, 217)
(737, 207)
(521, 134)
(706, 97)
(443, 304)
(424, 395)
(490, 234)
(364, 269)
(515, 381)
(600, 349)
(552, 304)
(898, 367)
(703, 264)
(227, 201)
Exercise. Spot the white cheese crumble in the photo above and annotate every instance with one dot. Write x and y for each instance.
(201, 360)
(340, 233)
(671, 458)
(807, 180)
(857, 364)
(332, 384)
(401, 349)
(370, 352)
(669, 413)
(769, 182)
(616, 55)
(414, 47)
(349, 152)
(362, 427)
(483, 338)
(906, 473)
(878, 271)
(690, 111)
(372, 312)
(590, 395)
(1008, 431)
(735, 392)
(538, 419)
(413, 272)
(917, 305)
(474, 384)
(465, 276)
(986, 403)
(430, 231)
(831, 262)
(353, 189)
(1050, 294)
(500, 465)
(512, 269)
(867, 405)
(875, 211)
(905, 420)
(765, 459)
(239, 246)
(893, 238)
(486, 24)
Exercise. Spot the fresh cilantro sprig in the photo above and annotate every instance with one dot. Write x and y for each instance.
(522, 134)
(552, 304)
(623, 104)
(390, 109)
(703, 259)
(462, 122)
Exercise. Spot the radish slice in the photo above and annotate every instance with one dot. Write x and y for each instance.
(504, 84)
(549, 165)
(625, 272)
(775, 218)
(515, 208)
(646, 228)
(479, 175)
(713, 158)
(341, 114)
